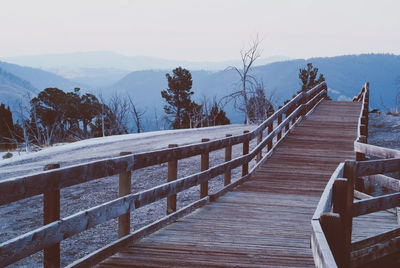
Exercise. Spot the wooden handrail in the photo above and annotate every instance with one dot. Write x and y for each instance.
(334, 215)
(26, 186)
(18, 188)
(326, 221)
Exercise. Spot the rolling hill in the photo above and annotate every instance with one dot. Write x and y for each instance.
(13, 88)
(38, 78)
(345, 76)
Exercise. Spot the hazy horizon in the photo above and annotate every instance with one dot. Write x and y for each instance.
(200, 31)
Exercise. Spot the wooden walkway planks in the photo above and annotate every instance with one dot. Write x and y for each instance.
(264, 222)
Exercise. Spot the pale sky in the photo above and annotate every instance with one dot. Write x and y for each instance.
(199, 30)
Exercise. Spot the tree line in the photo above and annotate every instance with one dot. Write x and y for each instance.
(57, 116)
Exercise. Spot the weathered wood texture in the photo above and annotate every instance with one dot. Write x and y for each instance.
(37, 239)
(51, 213)
(264, 222)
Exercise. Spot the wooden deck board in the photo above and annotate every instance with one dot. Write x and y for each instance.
(264, 222)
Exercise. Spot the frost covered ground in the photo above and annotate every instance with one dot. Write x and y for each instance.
(384, 130)
(22, 216)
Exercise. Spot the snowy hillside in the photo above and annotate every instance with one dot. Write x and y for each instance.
(100, 148)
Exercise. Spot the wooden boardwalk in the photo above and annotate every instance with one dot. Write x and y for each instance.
(264, 222)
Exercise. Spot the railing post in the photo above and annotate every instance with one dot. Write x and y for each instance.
(339, 201)
(51, 213)
(204, 166)
(279, 136)
(172, 176)
(124, 188)
(228, 157)
(245, 167)
(295, 105)
(330, 223)
(270, 129)
(287, 113)
(361, 156)
(259, 140)
(350, 172)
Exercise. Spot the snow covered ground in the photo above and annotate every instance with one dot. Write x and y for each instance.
(100, 148)
(25, 215)
(22, 216)
(384, 130)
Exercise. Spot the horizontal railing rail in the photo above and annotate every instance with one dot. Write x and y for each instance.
(51, 181)
(332, 220)
(27, 186)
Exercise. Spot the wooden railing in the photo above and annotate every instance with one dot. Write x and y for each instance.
(54, 178)
(332, 221)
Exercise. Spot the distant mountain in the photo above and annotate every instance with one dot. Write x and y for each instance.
(345, 76)
(111, 60)
(40, 79)
(13, 88)
(105, 67)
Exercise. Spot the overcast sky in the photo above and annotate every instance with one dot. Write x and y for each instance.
(199, 30)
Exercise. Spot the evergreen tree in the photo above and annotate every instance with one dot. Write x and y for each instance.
(308, 77)
(6, 126)
(177, 96)
(218, 116)
(89, 107)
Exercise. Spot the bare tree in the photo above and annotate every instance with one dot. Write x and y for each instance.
(137, 115)
(24, 124)
(117, 115)
(248, 57)
(260, 105)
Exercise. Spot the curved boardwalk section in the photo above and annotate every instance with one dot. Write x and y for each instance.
(264, 222)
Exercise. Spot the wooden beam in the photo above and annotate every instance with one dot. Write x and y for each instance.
(270, 128)
(361, 196)
(375, 204)
(322, 255)
(51, 213)
(245, 166)
(384, 181)
(349, 172)
(259, 139)
(205, 164)
(376, 150)
(372, 167)
(376, 239)
(332, 226)
(325, 202)
(172, 176)
(124, 188)
(376, 251)
(228, 157)
(279, 122)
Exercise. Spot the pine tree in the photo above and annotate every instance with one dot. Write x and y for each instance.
(218, 116)
(308, 76)
(177, 96)
(6, 126)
